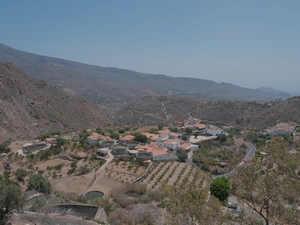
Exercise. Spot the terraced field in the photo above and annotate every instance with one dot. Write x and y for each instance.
(173, 173)
(124, 172)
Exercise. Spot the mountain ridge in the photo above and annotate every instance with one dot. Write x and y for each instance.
(113, 87)
(158, 109)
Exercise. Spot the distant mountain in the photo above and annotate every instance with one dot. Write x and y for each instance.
(112, 87)
(29, 107)
(153, 110)
(295, 94)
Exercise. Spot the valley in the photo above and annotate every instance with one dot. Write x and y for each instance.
(147, 143)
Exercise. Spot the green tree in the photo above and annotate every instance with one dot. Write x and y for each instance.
(39, 183)
(20, 174)
(188, 130)
(182, 155)
(11, 195)
(184, 137)
(114, 135)
(173, 129)
(140, 138)
(220, 188)
(4, 147)
(60, 141)
(222, 137)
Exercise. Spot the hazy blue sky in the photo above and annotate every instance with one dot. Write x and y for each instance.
(248, 43)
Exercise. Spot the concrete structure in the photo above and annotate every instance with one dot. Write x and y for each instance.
(132, 144)
(159, 155)
(93, 139)
(195, 140)
(34, 147)
(284, 128)
(281, 129)
(107, 144)
(213, 131)
(119, 149)
(185, 146)
(102, 151)
(170, 144)
(144, 155)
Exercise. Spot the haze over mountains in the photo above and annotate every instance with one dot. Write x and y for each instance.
(113, 87)
(29, 106)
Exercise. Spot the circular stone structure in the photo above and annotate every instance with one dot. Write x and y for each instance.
(94, 195)
(119, 149)
(106, 144)
(132, 144)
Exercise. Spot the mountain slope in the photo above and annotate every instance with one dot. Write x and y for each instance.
(114, 87)
(152, 110)
(29, 107)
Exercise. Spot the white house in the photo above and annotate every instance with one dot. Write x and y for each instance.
(170, 144)
(214, 131)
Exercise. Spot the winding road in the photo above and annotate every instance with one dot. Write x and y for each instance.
(250, 154)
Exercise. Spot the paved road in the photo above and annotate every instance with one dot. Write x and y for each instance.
(250, 154)
(251, 151)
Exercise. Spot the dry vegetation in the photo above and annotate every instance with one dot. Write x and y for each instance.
(40, 219)
(173, 173)
(124, 171)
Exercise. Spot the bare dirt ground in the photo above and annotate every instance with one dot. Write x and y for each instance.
(52, 162)
(93, 181)
(240, 141)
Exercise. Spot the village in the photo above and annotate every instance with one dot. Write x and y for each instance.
(93, 162)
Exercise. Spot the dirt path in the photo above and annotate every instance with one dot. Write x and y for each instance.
(82, 184)
(99, 174)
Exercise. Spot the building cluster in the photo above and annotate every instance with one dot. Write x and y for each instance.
(159, 148)
(281, 129)
(197, 126)
(161, 143)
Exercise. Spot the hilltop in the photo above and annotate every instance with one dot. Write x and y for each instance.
(29, 106)
(113, 87)
(153, 110)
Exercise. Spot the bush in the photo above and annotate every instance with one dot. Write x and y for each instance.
(20, 174)
(105, 204)
(4, 147)
(39, 183)
(82, 198)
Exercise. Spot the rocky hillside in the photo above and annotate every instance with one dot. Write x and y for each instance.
(112, 87)
(29, 107)
(151, 110)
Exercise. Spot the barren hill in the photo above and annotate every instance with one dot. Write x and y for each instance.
(29, 107)
(151, 110)
(113, 87)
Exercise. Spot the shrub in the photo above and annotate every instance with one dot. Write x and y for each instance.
(39, 183)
